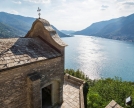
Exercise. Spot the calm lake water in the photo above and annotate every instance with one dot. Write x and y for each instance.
(100, 57)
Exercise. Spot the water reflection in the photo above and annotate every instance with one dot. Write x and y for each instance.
(90, 57)
(87, 55)
(99, 57)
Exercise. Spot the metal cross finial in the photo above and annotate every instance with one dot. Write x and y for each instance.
(39, 12)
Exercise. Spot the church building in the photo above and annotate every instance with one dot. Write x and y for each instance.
(32, 71)
(32, 68)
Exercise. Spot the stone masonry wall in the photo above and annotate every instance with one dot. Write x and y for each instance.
(15, 85)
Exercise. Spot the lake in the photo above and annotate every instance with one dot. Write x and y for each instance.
(100, 57)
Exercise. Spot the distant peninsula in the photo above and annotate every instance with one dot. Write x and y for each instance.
(120, 29)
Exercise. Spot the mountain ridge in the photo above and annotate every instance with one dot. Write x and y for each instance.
(67, 31)
(17, 25)
(118, 28)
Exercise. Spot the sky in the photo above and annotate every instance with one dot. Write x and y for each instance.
(70, 14)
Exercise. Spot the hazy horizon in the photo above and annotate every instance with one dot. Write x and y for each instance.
(70, 15)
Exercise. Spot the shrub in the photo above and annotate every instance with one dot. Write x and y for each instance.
(99, 93)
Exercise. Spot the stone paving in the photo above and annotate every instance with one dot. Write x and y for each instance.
(70, 96)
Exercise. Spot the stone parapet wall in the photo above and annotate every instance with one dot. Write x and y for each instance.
(73, 79)
(79, 83)
(82, 97)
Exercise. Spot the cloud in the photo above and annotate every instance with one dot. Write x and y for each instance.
(128, 3)
(38, 1)
(71, 14)
(17, 2)
(125, 2)
(120, 0)
(104, 7)
(14, 12)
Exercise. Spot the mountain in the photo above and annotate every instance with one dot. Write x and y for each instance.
(67, 31)
(119, 28)
(17, 26)
(59, 32)
(7, 31)
(16, 21)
